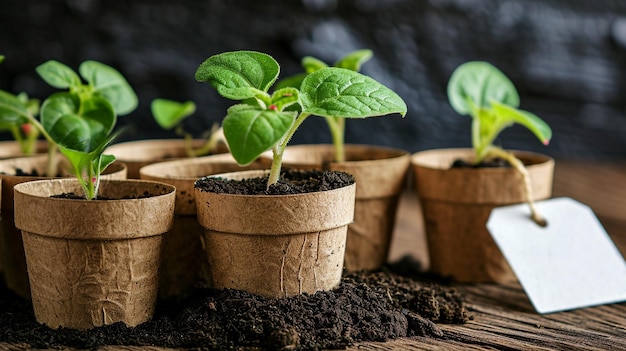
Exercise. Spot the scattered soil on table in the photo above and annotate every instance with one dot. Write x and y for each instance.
(375, 306)
(291, 182)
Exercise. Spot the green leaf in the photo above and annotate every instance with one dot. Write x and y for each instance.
(1, 58)
(12, 110)
(239, 75)
(111, 84)
(285, 97)
(58, 75)
(339, 92)
(77, 127)
(507, 115)
(312, 64)
(354, 60)
(250, 131)
(169, 113)
(102, 162)
(479, 82)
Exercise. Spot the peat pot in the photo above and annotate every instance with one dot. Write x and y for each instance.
(11, 248)
(380, 174)
(138, 153)
(456, 204)
(184, 263)
(275, 245)
(93, 263)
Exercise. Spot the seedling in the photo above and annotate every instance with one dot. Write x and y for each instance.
(79, 121)
(263, 121)
(337, 125)
(480, 90)
(170, 114)
(22, 131)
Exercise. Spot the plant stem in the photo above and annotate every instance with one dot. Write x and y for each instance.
(337, 128)
(527, 186)
(279, 149)
(207, 148)
(51, 168)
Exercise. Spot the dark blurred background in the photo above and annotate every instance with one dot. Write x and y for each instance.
(567, 59)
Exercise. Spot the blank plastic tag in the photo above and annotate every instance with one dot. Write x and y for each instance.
(570, 263)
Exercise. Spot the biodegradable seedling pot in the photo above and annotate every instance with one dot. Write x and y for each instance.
(184, 261)
(11, 149)
(11, 247)
(275, 245)
(93, 262)
(456, 203)
(139, 153)
(380, 174)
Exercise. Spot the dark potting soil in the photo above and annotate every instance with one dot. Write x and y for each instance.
(496, 162)
(291, 182)
(375, 306)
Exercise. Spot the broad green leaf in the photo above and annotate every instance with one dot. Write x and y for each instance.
(79, 128)
(479, 82)
(312, 64)
(250, 131)
(58, 75)
(12, 110)
(111, 84)
(32, 105)
(1, 58)
(169, 113)
(354, 60)
(105, 161)
(339, 92)
(285, 97)
(239, 75)
(507, 115)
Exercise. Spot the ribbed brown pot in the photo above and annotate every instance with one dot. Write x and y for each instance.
(184, 261)
(93, 263)
(275, 245)
(139, 153)
(380, 174)
(11, 248)
(11, 149)
(456, 203)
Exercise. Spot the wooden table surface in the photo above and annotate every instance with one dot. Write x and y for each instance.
(503, 318)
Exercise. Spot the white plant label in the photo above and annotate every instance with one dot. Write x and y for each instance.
(571, 263)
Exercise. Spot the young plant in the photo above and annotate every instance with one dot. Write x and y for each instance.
(170, 114)
(480, 90)
(264, 120)
(80, 120)
(336, 124)
(20, 128)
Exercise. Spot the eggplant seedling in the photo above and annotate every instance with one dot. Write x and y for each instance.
(337, 125)
(20, 128)
(482, 91)
(264, 120)
(78, 121)
(169, 114)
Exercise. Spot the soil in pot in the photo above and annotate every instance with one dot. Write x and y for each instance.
(373, 306)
